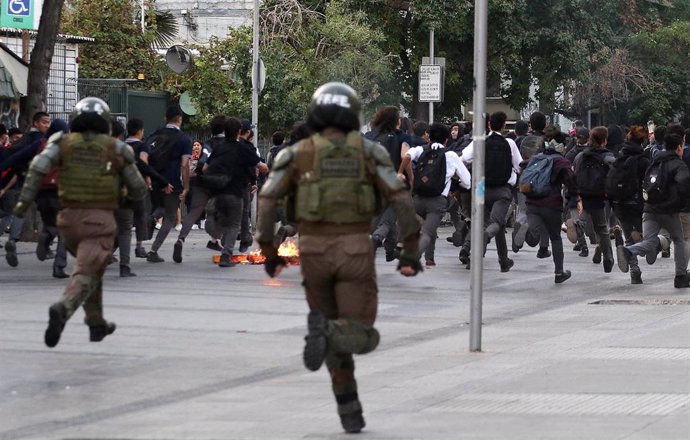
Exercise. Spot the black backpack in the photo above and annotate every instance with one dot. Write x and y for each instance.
(590, 175)
(498, 159)
(391, 143)
(655, 184)
(430, 174)
(162, 144)
(622, 181)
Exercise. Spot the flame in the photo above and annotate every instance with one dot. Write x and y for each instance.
(288, 250)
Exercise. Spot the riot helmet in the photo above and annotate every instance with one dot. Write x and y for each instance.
(90, 114)
(334, 104)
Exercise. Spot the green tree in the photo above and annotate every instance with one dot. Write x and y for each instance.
(121, 50)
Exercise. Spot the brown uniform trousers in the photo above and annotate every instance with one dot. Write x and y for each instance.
(340, 282)
(89, 235)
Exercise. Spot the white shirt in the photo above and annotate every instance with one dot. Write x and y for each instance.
(454, 166)
(468, 152)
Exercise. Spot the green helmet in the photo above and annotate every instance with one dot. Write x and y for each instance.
(91, 105)
(334, 104)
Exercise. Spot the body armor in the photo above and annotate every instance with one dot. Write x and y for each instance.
(89, 171)
(334, 185)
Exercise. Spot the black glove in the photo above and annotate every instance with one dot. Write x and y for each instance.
(272, 263)
(414, 263)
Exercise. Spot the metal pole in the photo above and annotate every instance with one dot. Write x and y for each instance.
(431, 61)
(481, 11)
(257, 74)
(143, 13)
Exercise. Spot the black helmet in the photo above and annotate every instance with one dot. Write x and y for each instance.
(91, 114)
(334, 104)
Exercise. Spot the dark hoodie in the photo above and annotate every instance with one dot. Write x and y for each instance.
(631, 149)
(615, 139)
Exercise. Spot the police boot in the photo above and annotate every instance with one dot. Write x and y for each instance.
(58, 318)
(316, 341)
(98, 332)
(353, 422)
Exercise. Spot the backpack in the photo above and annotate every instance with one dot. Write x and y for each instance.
(655, 183)
(162, 145)
(391, 143)
(622, 182)
(499, 160)
(535, 180)
(531, 145)
(430, 174)
(590, 175)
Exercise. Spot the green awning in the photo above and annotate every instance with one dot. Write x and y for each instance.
(14, 73)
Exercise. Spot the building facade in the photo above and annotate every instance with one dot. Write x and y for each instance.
(200, 20)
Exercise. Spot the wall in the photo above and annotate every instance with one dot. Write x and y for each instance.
(205, 19)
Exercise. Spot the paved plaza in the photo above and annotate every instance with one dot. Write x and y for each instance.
(207, 354)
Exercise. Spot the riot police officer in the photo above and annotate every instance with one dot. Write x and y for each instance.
(93, 168)
(333, 182)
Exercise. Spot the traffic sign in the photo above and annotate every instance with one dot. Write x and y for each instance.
(20, 14)
(430, 83)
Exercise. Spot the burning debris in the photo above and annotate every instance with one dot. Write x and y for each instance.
(288, 250)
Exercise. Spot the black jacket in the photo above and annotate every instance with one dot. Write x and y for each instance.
(678, 178)
(630, 149)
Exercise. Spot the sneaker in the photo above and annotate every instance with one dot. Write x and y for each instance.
(681, 282)
(244, 246)
(608, 265)
(584, 252)
(316, 341)
(140, 252)
(11, 253)
(519, 235)
(666, 253)
(623, 255)
(59, 272)
(430, 263)
(353, 422)
(651, 256)
(126, 272)
(618, 236)
(464, 256)
(153, 257)
(42, 246)
(226, 261)
(58, 318)
(596, 259)
(158, 225)
(543, 253)
(577, 247)
(635, 277)
(178, 228)
(562, 277)
(571, 230)
(177, 251)
(506, 265)
(393, 255)
(531, 238)
(195, 227)
(214, 246)
(98, 332)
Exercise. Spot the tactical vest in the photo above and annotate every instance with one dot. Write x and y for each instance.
(89, 171)
(334, 186)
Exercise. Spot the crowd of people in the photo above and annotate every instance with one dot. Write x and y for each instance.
(620, 189)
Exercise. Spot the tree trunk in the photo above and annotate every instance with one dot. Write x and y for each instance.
(41, 58)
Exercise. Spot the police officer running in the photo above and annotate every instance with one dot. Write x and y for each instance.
(93, 167)
(332, 182)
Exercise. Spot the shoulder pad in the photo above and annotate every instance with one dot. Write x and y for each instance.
(125, 150)
(376, 151)
(55, 138)
(284, 157)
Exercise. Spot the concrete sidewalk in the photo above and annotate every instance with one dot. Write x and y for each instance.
(206, 353)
